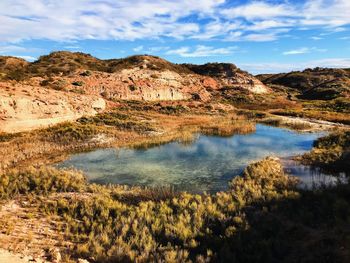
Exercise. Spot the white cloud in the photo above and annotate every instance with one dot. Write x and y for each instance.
(316, 38)
(138, 49)
(260, 37)
(303, 50)
(150, 50)
(298, 51)
(268, 24)
(275, 67)
(332, 13)
(157, 49)
(258, 10)
(11, 49)
(28, 58)
(90, 19)
(201, 51)
(18, 51)
(72, 47)
(262, 20)
(216, 28)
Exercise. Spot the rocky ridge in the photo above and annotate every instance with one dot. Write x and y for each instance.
(64, 86)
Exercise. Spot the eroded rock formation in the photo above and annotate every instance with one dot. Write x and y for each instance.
(64, 86)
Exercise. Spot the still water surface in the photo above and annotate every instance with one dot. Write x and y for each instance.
(207, 164)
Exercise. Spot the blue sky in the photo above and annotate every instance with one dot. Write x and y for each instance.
(258, 36)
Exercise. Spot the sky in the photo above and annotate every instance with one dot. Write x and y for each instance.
(262, 36)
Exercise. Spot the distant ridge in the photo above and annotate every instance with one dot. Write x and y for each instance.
(317, 83)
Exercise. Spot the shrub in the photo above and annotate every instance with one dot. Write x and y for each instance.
(132, 87)
(66, 133)
(331, 153)
(184, 227)
(39, 181)
(78, 83)
(86, 73)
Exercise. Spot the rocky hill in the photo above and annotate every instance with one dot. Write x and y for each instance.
(73, 82)
(228, 75)
(133, 78)
(317, 83)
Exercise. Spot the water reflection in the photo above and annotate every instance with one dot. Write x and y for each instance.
(311, 176)
(207, 164)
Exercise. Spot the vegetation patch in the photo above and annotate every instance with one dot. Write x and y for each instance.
(262, 217)
(331, 153)
(68, 132)
(291, 124)
(39, 181)
(4, 137)
(78, 83)
(106, 226)
(116, 119)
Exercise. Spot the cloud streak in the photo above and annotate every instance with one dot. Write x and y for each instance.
(276, 67)
(201, 51)
(67, 20)
(303, 50)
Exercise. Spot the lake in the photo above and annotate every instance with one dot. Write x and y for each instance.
(206, 164)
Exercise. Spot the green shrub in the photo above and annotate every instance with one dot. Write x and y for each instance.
(132, 87)
(41, 181)
(184, 227)
(67, 132)
(331, 153)
(86, 73)
(4, 137)
(78, 83)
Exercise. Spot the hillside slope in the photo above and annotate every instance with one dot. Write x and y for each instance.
(317, 83)
(133, 78)
(228, 75)
(64, 86)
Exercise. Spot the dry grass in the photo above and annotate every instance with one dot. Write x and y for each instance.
(287, 123)
(337, 117)
(127, 127)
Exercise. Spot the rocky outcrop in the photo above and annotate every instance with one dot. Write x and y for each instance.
(142, 82)
(64, 86)
(228, 75)
(134, 78)
(25, 107)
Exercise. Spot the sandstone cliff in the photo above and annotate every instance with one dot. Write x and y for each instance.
(25, 107)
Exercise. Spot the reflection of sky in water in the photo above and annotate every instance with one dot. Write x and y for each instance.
(205, 165)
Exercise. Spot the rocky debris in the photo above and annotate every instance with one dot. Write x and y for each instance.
(99, 104)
